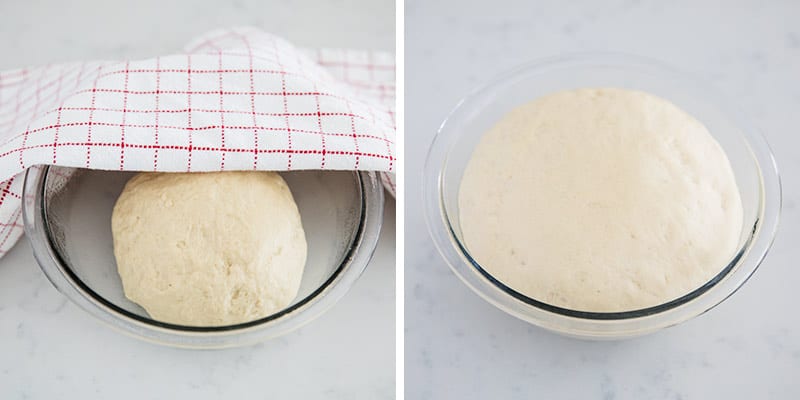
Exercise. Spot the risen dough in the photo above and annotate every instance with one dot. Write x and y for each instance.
(600, 200)
(209, 249)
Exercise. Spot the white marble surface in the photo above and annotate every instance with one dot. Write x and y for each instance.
(51, 349)
(460, 347)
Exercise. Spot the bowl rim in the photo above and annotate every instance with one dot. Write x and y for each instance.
(359, 251)
(598, 324)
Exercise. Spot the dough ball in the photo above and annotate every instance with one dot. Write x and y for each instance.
(209, 249)
(603, 200)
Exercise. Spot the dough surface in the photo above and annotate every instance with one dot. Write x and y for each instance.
(603, 200)
(209, 249)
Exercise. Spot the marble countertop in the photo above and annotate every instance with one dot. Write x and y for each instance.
(460, 347)
(52, 349)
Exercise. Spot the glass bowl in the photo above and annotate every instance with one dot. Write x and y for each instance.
(67, 216)
(750, 156)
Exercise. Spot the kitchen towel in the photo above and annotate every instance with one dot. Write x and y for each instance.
(234, 99)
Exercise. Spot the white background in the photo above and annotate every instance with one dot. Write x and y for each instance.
(51, 349)
(460, 347)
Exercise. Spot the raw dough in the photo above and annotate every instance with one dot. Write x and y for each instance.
(209, 249)
(603, 200)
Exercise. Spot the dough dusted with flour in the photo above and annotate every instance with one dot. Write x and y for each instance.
(601, 200)
(209, 249)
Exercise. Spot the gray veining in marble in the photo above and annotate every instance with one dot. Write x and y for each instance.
(51, 349)
(460, 347)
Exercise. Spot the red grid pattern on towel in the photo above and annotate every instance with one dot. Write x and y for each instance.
(236, 99)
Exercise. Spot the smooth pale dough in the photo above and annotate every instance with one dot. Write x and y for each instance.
(602, 200)
(209, 249)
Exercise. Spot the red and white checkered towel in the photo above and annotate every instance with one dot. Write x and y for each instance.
(235, 99)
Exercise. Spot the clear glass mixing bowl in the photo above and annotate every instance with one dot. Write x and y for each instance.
(751, 158)
(67, 214)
